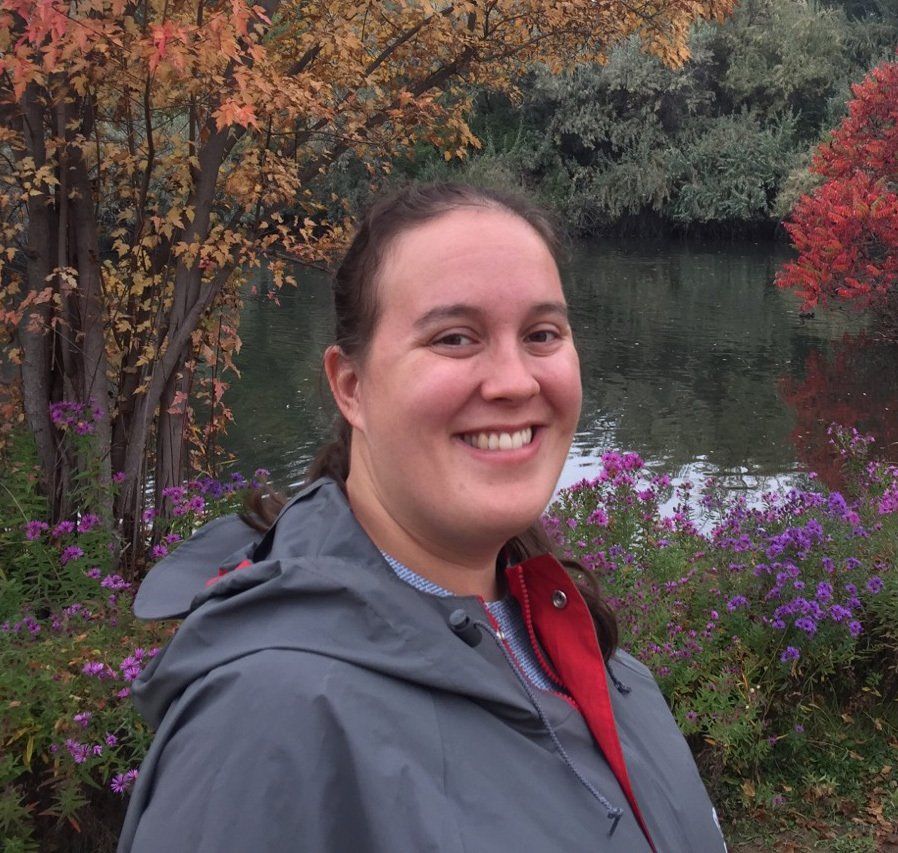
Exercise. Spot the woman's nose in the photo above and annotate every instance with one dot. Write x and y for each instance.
(509, 375)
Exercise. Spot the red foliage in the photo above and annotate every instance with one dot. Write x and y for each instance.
(846, 230)
(855, 386)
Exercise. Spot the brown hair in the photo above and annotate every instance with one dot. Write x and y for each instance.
(356, 309)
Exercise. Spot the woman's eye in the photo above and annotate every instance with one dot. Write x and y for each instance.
(454, 339)
(543, 336)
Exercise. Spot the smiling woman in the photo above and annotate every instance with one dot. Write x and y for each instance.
(394, 659)
(472, 347)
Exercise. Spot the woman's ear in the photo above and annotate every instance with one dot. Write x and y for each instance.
(343, 378)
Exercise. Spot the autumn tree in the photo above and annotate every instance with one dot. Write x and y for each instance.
(154, 152)
(846, 230)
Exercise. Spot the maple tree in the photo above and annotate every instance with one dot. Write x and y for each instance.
(845, 230)
(152, 153)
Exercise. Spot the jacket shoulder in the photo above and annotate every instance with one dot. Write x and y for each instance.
(632, 666)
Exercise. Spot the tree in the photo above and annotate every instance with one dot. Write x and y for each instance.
(153, 152)
(846, 230)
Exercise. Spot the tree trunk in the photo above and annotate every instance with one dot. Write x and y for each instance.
(171, 432)
(94, 381)
(34, 329)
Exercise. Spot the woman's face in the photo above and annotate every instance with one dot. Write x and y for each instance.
(465, 404)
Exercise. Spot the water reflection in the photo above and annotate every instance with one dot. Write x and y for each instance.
(854, 384)
(684, 351)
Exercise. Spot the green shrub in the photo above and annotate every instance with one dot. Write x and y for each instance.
(70, 738)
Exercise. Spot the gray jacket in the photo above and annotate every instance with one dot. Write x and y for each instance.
(312, 701)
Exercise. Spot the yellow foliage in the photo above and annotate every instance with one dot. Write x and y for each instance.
(203, 126)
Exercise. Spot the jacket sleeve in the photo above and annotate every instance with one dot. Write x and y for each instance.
(244, 760)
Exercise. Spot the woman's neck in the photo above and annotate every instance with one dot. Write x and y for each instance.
(470, 571)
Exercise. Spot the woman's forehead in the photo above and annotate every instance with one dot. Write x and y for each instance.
(468, 256)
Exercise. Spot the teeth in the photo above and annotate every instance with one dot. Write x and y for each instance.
(499, 440)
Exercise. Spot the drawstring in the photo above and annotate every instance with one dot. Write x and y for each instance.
(467, 629)
(621, 687)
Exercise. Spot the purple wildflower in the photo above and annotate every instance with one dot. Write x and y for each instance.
(855, 628)
(88, 522)
(174, 493)
(824, 591)
(790, 653)
(34, 529)
(71, 552)
(121, 783)
(130, 667)
(888, 503)
(806, 624)
(97, 669)
(63, 528)
(116, 582)
(736, 602)
(875, 585)
(157, 552)
(196, 504)
(79, 751)
(838, 613)
(83, 719)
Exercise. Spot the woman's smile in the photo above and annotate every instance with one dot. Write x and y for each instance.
(511, 439)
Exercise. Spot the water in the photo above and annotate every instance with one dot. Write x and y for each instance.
(690, 355)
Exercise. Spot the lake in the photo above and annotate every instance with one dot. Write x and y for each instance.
(690, 356)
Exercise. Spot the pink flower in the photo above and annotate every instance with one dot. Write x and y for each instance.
(88, 522)
(122, 782)
(34, 529)
(72, 552)
(63, 528)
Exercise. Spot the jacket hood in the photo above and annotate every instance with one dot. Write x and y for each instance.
(238, 593)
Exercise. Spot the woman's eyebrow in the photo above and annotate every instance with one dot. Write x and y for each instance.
(463, 311)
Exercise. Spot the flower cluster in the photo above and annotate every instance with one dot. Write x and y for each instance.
(81, 418)
(742, 611)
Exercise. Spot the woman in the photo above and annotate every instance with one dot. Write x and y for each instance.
(398, 664)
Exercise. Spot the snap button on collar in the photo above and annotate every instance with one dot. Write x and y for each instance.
(559, 599)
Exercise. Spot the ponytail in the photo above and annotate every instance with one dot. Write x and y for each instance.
(261, 506)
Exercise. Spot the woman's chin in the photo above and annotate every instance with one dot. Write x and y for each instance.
(499, 522)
